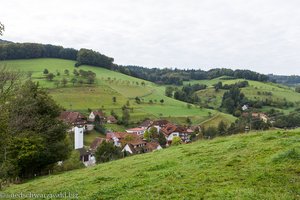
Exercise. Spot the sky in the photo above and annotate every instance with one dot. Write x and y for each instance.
(260, 35)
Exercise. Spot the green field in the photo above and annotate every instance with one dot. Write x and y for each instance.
(263, 165)
(108, 84)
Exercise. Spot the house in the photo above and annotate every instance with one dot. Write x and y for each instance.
(153, 146)
(93, 115)
(171, 130)
(120, 138)
(96, 143)
(141, 146)
(87, 158)
(138, 130)
(260, 116)
(111, 120)
(146, 123)
(73, 118)
(158, 124)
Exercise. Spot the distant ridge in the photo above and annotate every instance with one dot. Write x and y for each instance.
(5, 41)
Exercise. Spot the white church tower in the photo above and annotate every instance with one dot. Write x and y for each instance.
(78, 137)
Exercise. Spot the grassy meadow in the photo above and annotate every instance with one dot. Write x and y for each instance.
(261, 165)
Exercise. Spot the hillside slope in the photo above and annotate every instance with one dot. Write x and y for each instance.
(262, 165)
(108, 84)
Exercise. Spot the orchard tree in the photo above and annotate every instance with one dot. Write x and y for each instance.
(46, 71)
(64, 82)
(50, 77)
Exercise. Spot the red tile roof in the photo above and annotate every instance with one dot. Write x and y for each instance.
(72, 117)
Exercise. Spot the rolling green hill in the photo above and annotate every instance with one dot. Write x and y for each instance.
(109, 84)
(255, 91)
(264, 165)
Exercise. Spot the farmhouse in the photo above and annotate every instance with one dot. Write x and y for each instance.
(86, 157)
(73, 118)
(111, 120)
(260, 116)
(135, 146)
(120, 138)
(159, 124)
(171, 130)
(93, 115)
(140, 146)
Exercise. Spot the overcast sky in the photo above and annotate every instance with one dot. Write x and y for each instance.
(261, 35)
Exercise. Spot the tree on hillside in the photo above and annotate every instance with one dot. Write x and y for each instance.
(50, 76)
(91, 79)
(222, 128)
(64, 82)
(37, 138)
(107, 151)
(66, 72)
(137, 100)
(75, 72)
(125, 116)
(147, 136)
(169, 91)
(162, 139)
(114, 99)
(297, 89)
(162, 101)
(73, 80)
(210, 132)
(46, 71)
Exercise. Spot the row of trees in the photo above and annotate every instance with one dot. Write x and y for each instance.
(34, 50)
(177, 76)
(240, 84)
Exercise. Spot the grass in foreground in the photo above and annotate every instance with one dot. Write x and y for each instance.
(264, 165)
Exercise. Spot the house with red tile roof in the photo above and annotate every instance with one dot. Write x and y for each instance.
(172, 130)
(73, 118)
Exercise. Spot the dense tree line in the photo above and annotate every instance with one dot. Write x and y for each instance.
(33, 50)
(177, 76)
(90, 57)
(288, 80)
(240, 84)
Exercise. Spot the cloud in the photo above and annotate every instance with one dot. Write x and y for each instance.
(258, 35)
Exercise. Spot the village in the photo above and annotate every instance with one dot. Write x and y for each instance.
(148, 136)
